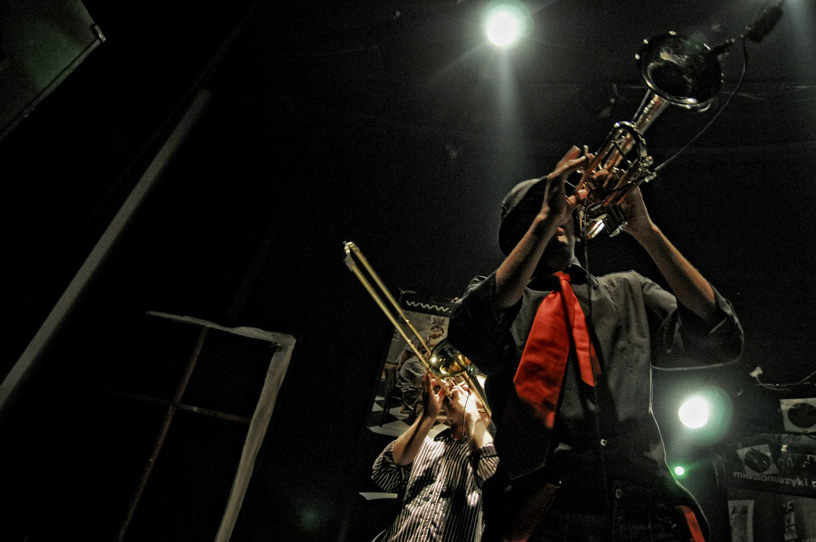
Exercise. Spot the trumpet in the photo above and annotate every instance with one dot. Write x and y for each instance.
(676, 70)
(449, 366)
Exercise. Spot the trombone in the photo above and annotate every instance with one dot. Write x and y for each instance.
(444, 362)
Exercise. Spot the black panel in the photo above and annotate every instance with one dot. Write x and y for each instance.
(42, 43)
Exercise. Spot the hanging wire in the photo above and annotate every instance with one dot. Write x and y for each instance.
(654, 171)
(781, 386)
(716, 115)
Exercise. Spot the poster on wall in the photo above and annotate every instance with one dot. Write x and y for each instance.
(771, 484)
(774, 462)
(758, 516)
(398, 396)
(741, 518)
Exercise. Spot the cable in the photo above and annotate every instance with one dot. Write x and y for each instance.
(782, 386)
(591, 285)
(716, 115)
(756, 31)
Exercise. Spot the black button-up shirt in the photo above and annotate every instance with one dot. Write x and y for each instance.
(635, 325)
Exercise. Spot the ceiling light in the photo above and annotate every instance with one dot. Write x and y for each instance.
(506, 22)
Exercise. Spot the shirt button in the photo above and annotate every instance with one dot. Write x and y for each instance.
(603, 442)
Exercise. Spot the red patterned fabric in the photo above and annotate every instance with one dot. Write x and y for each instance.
(559, 321)
(694, 527)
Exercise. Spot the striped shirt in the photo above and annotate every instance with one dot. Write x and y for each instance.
(442, 489)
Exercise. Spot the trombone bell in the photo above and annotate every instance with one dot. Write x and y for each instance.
(444, 362)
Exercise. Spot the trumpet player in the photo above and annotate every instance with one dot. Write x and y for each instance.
(569, 358)
(440, 479)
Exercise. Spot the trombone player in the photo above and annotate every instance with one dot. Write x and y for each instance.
(569, 378)
(439, 479)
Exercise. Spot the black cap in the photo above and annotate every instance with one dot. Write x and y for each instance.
(519, 207)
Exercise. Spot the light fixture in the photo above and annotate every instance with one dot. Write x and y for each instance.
(706, 414)
(506, 22)
(695, 411)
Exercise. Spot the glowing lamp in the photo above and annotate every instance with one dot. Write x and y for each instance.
(695, 412)
(505, 23)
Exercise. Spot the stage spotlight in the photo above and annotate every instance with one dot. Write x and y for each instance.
(506, 22)
(706, 413)
(694, 412)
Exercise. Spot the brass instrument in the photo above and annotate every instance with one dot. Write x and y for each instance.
(444, 361)
(678, 71)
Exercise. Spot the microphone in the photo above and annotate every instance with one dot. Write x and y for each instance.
(722, 48)
(755, 32)
(763, 24)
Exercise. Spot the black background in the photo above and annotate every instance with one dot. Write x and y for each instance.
(393, 125)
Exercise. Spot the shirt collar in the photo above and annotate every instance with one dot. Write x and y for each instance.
(577, 273)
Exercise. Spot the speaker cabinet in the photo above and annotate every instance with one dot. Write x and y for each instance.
(799, 415)
(41, 43)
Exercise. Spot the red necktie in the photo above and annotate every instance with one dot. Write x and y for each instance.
(540, 374)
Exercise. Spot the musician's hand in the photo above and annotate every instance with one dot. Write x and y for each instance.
(603, 179)
(557, 205)
(462, 400)
(432, 396)
(639, 222)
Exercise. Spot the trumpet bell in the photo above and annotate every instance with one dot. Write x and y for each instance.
(683, 71)
(677, 70)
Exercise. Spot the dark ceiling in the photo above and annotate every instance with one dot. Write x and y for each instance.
(428, 66)
(392, 124)
(328, 78)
